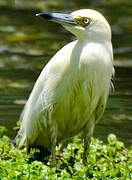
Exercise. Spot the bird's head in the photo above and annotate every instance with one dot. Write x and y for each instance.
(84, 23)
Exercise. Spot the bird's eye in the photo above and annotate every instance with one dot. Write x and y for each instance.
(85, 20)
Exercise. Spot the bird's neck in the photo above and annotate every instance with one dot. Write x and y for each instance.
(94, 36)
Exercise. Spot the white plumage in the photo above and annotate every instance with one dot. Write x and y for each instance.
(71, 92)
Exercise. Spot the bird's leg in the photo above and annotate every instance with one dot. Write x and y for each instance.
(53, 152)
(87, 134)
(86, 149)
(27, 145)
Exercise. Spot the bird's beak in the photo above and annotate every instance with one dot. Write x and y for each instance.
(59, 18)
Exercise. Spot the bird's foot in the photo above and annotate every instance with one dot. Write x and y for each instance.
(53, 163)
(13, 142)
(85, 155)
(85, 161)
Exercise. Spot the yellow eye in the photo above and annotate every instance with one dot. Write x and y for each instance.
(82, 21)
(86, 21)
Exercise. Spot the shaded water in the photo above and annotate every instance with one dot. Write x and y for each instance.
(27, 43)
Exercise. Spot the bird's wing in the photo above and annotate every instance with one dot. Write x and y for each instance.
(101, 107)
(102, 102)
(54, 78)
(47, 91)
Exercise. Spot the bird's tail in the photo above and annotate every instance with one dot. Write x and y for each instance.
(21, 136)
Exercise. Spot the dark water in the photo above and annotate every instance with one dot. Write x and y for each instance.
(28, 42)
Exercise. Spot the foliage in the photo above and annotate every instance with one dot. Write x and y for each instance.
(111, 161)
(3, 130)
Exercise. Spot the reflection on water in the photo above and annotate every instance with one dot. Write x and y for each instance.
(27, 43)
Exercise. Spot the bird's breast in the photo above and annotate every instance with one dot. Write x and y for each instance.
(93, 76)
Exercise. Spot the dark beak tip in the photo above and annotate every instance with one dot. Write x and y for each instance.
(37, 14)
(40, 14)
(44, 15)
(58, 17)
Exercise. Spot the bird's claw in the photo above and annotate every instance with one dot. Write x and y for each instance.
(53, 163)
(85, 162)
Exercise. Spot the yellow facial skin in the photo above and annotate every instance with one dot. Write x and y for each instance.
(82, 21)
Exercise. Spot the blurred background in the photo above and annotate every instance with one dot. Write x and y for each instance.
(27, 43)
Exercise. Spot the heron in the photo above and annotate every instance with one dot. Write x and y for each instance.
(70, 94)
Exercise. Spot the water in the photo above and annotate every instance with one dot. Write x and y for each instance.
(28, 42)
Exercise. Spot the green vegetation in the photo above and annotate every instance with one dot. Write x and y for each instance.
(111, 161)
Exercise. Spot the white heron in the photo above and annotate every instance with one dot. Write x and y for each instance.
(71, 92)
